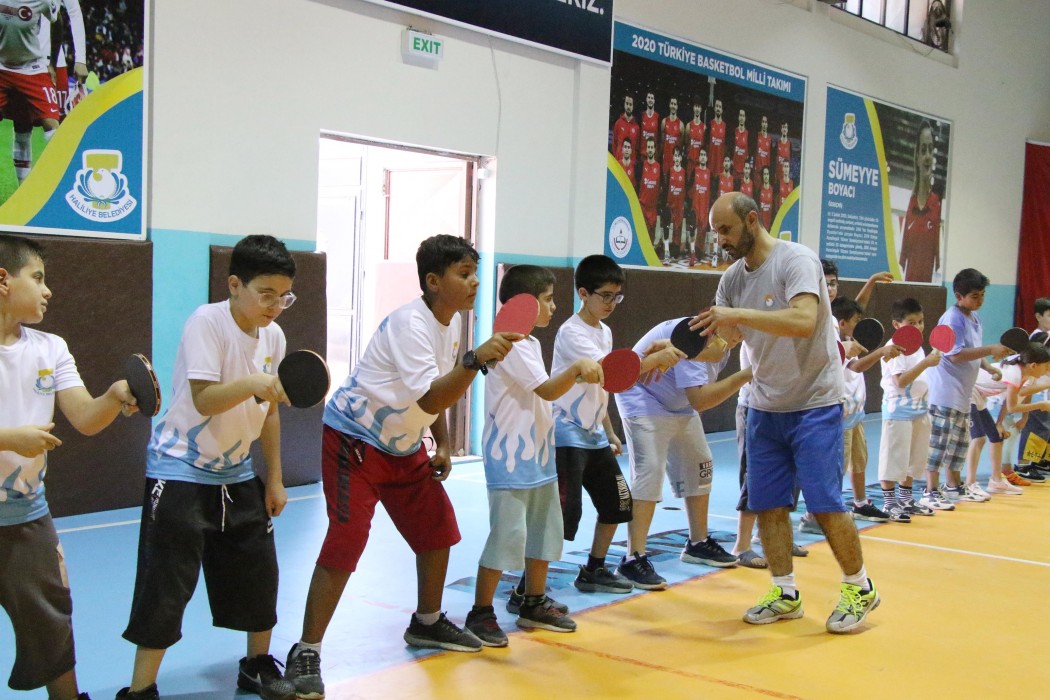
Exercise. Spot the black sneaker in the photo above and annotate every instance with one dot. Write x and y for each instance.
(148, 693)
(483, 625)
(1043, 467)
(869, 511)
(261, 675)
(83, 696)
(518, 599)
(641, 573)
(1033, 474)
(601, 580)
(707, 552)
(443, 634)
(545, 616)
(304, 671)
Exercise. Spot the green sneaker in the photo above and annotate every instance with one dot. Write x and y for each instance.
(854, 605)
(775, 606)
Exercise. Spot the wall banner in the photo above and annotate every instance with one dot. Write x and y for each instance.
(686, 124)
(884, 193)
(72, 137)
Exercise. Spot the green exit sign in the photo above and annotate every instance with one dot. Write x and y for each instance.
(421, 49)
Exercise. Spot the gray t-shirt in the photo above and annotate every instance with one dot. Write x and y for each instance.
(791, 374)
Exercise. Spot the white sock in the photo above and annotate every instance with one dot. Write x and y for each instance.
(301, 645)
(858, 579)
(428, 619)
(22, 154)
(787, 584)
(48, 134)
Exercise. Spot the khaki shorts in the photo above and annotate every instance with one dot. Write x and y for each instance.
(855, 450)
(674, 446)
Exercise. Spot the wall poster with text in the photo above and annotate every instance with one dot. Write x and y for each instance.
(686, 125)
(885, 189)
(73, 109)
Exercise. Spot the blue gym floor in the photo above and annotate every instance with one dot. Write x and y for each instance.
(365, 634)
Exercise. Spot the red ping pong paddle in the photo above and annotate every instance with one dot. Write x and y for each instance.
(517, 315)
(909, 338)
(942, 338)
(621, 369)
(842, 351)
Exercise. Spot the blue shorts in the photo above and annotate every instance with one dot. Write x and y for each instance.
(803, 446)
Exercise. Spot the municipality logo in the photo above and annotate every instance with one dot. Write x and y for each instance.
(621, 237)
(848, 136)
(100, 191)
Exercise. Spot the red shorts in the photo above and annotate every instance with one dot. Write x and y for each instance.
(356, 476)
(34, 96)
(649, 213)
(62, 89)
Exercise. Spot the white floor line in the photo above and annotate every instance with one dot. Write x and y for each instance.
(98, 527)
(958, 551)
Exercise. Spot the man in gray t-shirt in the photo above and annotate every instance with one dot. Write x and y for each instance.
(775, 296)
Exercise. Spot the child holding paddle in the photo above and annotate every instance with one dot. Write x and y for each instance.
(524, 512)
(586, 444)
(951, 383)
(847, 313)
(905, 417)
(204, 506)
(36, 373)
(372, 451)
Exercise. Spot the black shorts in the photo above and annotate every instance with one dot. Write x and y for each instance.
(983, 425)
(597, 471)
(226, 530)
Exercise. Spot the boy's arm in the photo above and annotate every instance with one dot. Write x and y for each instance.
(864, 295)
(905, 378)
(614, 441)
(862, 364)
(447, 390)
(708, 396)
(270, 440)
(29, 440)
(212, 398)
(89, 416)
(582, 370)
(441, 462)
(661, 355)
(979, 353)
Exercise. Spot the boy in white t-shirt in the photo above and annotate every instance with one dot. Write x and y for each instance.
(905, 420)
(525, 519)
(36, 372)
(586, 444)
(848, 314)
(372, 451)
(204, 506)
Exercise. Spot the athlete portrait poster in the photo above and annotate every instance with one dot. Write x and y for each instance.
(686, 124)
(885, 189)
(72, 135)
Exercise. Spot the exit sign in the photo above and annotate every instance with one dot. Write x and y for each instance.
(421, 49)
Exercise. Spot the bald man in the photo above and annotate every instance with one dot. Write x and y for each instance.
(774, 294)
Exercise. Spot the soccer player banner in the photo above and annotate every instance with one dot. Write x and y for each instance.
(687, 124)
(72, 155)
(885, 186)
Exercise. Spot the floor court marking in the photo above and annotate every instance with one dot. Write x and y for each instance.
(667, 669)
(958, 551)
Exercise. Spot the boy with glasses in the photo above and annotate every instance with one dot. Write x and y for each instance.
(204, 505)
(587, 447)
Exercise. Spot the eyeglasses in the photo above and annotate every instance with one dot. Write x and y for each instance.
(269, 299)
(609, 297)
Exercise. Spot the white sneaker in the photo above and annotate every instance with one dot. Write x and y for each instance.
(1004, 487)
(974, 492)
(934, 500)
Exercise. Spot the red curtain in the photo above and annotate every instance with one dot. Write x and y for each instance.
(1033, 259)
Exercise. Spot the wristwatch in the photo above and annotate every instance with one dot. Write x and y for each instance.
(471, 361)
(720, 341)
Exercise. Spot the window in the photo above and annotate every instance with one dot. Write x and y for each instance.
(927, 21)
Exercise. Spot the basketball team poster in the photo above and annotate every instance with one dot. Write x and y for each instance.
(687, 124)
(885, 189)
(72, 152)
